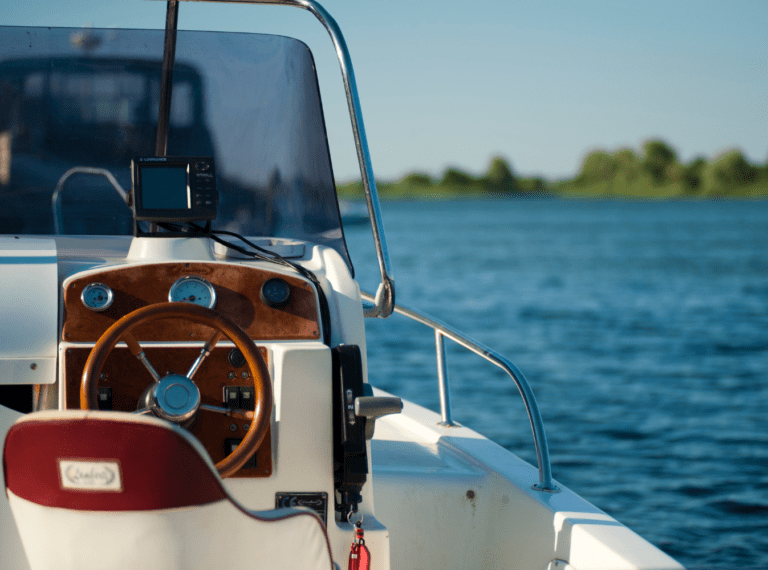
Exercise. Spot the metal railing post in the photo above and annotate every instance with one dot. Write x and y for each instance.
(442, 381)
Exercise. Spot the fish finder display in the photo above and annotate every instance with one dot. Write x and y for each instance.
(174, 189)
(164, 188)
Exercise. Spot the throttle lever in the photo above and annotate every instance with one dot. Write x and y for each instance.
(374, 407)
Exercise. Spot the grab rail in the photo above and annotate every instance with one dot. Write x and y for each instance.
(534, 416)
(58, 219)
(382, 303)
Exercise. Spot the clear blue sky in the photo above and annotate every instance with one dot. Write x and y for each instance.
(448, 83)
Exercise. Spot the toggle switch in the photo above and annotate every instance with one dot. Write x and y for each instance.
(232, 396)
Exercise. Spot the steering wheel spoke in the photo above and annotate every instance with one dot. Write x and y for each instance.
(231, 412)
(138, 352)
(206, 350)
(175, 397)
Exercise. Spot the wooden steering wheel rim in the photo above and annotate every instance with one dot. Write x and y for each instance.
(261, 383)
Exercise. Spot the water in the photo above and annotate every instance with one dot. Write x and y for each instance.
(643, 330)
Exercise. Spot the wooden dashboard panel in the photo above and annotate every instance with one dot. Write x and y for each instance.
(128, 379)
(238, 297)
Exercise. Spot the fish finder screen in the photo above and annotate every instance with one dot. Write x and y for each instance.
(174, 189)
(164, 188)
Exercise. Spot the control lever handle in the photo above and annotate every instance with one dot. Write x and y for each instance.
(373, 407)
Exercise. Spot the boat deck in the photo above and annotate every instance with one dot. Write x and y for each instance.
(451, 498)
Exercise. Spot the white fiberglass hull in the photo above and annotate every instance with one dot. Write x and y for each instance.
(451, 498)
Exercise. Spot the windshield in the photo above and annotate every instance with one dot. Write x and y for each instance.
(89, 98)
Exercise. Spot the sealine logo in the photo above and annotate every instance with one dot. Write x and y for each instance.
(84, 475)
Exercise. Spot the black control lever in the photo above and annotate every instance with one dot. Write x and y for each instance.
(374, 407)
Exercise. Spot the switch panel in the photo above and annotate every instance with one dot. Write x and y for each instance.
(240, 397)
(105, 398)
(230, 444)
(247, 398)
(232, 396)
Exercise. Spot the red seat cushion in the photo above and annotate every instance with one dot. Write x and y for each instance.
(158, 467)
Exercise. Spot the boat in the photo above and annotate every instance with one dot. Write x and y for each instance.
(183, 362)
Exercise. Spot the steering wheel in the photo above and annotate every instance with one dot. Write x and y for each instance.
(176, 397)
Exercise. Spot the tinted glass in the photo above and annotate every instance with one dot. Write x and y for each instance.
(73, 97)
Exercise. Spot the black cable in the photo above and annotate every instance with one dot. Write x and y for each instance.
(263, 255)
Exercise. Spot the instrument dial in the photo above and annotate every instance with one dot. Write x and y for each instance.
(97, 297)
(193, 289)
(276, 293)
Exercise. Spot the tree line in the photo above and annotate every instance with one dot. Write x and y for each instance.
(657, 172)
(654, 172)
(499, 180)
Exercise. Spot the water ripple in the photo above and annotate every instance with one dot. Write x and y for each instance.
(642, 330)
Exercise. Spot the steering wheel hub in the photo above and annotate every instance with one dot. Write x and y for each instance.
(175, 398)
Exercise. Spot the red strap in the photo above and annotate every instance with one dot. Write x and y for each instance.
(359, 557)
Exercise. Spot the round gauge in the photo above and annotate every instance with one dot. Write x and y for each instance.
(97, 297)
(192, 289)
(276, 292)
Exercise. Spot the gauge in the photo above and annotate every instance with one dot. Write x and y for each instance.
(97, 297)
(193, 289)
(276, 292)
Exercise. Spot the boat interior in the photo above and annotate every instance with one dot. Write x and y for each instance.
(183, 359)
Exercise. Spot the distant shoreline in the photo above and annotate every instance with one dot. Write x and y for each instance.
(394, 191)
(344, 194)
(654, 174)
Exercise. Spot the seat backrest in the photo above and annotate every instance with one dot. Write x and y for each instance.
(114, 490)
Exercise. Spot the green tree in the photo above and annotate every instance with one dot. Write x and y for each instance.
(598, 166)
(657, 158)
(675, 172)
(417, 179)
(499, 177)
(693, 174)
(456, 178)
(729, 170)
(626, 164)
(532, 185)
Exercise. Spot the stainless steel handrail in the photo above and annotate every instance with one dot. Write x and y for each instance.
(58, 222)
(534, 416)
(442, 381)
(383, 303)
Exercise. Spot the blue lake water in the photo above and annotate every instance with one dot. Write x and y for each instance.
(642, 328)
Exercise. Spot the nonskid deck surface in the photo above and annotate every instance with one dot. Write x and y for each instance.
(451, 498)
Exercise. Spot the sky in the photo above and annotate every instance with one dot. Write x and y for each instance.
(541, 84)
